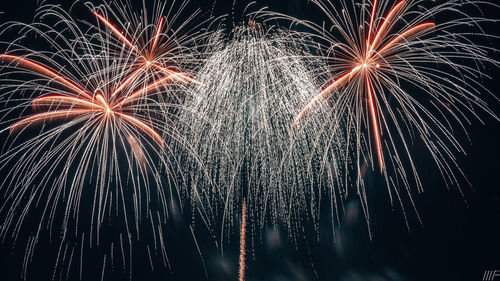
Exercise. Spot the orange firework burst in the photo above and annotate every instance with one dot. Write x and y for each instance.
(80, 116)
(102, 108)
(396, 64)
(371, 58)
(154, 48)
(102, 119)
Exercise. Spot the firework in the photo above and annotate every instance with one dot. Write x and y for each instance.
(402, 70)
(155, 48)
(239, 126)
(86, 136)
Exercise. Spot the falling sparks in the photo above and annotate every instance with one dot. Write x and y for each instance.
(238, 122)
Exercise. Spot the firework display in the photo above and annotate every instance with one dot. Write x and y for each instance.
(132, 119)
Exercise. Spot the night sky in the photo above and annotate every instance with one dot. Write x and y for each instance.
(458, 238)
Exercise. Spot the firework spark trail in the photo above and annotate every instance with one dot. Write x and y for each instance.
(243, 232)
(98, 122)
(239, 125)
(397, 64)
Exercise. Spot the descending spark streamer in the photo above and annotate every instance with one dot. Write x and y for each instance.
(240, 128)
(402, 69)
(89, 162)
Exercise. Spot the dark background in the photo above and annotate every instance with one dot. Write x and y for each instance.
(457, 240)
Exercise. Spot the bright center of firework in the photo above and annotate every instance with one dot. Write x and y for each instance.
(104, 103)
(366, 63)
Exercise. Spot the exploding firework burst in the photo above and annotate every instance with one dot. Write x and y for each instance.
(153, 42)
(87, 119)
(402, 71)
